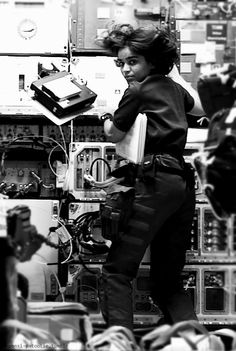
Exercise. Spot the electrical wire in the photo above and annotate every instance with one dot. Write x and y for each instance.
(62, 147)
(7, 146)
(84, 222)
(112, 180)
(61, 289)
(99, 159)
(71, 131)
(49, 160)
(33, 136)
(59, 145)
(63, 137)
(70, 253)
(83, 232)
(70, 240)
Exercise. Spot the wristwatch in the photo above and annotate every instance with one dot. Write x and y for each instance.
(105, 116)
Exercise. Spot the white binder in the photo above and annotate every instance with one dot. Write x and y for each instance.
(131, 147)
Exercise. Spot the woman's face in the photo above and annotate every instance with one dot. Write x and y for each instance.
(133, 67)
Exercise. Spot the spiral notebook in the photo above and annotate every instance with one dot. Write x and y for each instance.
(131, 147)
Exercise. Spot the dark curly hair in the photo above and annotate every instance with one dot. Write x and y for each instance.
(157, 45)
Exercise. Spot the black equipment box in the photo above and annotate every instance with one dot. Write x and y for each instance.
(61, 94)
(217, 91)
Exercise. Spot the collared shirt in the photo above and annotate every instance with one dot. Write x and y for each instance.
(165, 103)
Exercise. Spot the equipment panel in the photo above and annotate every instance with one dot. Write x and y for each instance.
(212, 288)
(91, 17)
(202, 10)
(39, 28)
(95, 159)
(212, 239)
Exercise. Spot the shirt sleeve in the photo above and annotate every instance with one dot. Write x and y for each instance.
(128, 109)
(189, 101)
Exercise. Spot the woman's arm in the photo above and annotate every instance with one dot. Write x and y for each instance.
(197, 109)
(113, 134)
(124, 115)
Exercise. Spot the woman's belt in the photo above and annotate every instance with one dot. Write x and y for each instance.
(163, 163)
(154, 163)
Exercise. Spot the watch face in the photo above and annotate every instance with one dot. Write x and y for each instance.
(27, 28)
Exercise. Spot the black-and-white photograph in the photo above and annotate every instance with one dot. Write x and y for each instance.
(118, 175)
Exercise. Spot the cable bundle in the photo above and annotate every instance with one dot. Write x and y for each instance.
(83, 230)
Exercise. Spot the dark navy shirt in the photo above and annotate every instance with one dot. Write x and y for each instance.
(165, 103)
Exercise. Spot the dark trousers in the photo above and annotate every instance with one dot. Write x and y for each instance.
(162, 218)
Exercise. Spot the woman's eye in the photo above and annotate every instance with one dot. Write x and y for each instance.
(132, 62)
